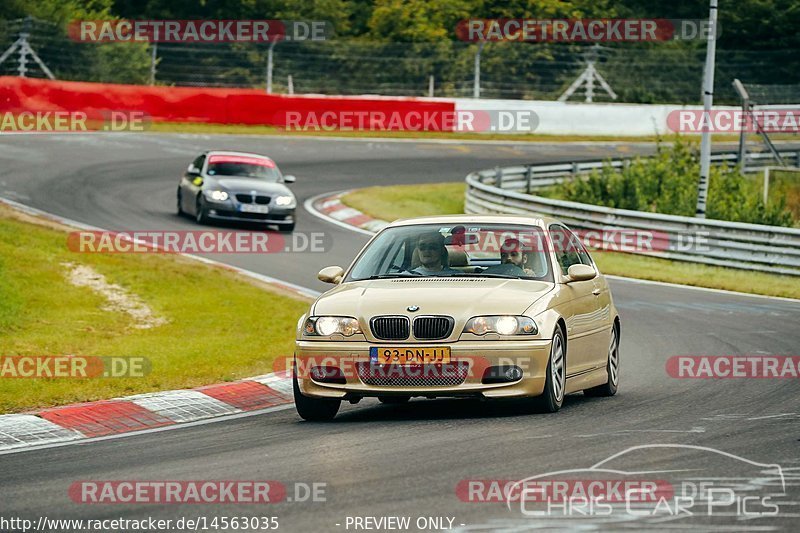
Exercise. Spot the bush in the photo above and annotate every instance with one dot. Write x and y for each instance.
(667, 183)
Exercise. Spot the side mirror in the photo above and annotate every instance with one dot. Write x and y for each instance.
(580, 273)
(289, 178)
(331, 274)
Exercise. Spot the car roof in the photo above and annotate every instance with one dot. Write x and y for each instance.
(527, 220)
(232, 152)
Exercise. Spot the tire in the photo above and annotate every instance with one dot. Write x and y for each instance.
(180, 205)
(609, 388)
(393, 400)
(552, 398)
(314, 409)
(286, 228)
(200, 212)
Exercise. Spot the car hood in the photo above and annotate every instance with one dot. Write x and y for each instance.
(460, 298)
(248, 184)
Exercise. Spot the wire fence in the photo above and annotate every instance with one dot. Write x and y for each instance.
(654, 73)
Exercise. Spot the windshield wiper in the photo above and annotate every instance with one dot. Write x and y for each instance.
(484, 275)
(390, 276)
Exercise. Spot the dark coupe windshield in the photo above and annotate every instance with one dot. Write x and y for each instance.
(485, 250)
(245, 167)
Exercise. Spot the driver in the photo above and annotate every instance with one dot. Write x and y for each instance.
(513, 253)
(432, 255)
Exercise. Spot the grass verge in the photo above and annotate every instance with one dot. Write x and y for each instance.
(221, 326)
(405, 201)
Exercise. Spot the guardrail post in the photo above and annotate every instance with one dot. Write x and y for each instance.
(575, 168)
(528, 177)
(498, 177)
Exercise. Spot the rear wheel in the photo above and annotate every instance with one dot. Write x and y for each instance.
(314, 409)
(612, 367)
(552, 397)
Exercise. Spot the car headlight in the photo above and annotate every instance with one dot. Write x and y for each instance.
(217, 196)
(325, 326)
(284, 200)
(502, 325)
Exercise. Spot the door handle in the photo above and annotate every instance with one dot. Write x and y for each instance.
(596, 292)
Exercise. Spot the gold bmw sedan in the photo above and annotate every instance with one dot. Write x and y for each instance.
(491, 306)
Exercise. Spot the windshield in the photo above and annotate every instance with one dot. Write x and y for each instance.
(245, 167)
(487, 250)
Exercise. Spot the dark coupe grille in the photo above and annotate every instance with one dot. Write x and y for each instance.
(433, 327)
(390, 328)
(251, 199)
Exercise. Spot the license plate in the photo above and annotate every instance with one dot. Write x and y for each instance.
(253, 208)
(409, 355)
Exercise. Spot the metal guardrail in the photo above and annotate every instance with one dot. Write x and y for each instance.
(714, 242)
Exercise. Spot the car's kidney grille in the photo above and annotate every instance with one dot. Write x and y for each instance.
(433, 327)
(252, 199)
(390, 328)
(439, 375)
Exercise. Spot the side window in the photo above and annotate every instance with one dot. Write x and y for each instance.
(198, 163)
(586, 259)
(568, 248)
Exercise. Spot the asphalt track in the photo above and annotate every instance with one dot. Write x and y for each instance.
(407, 460)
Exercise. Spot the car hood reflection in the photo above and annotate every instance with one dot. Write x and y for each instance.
(457, 297)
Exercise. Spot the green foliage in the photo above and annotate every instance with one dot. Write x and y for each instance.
(393, 46)
(667, 183)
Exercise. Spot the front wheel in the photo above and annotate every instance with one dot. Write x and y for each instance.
(612, 367)
(200, 214)
(286, 228)
(314, 409)
(180, 204)
(552, 397)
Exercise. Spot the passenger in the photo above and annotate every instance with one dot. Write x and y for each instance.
(432, 255)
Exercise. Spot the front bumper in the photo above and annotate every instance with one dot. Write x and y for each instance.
(276, 215)
(529, 355)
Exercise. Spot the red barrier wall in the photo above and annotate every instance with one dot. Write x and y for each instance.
(211, 105)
